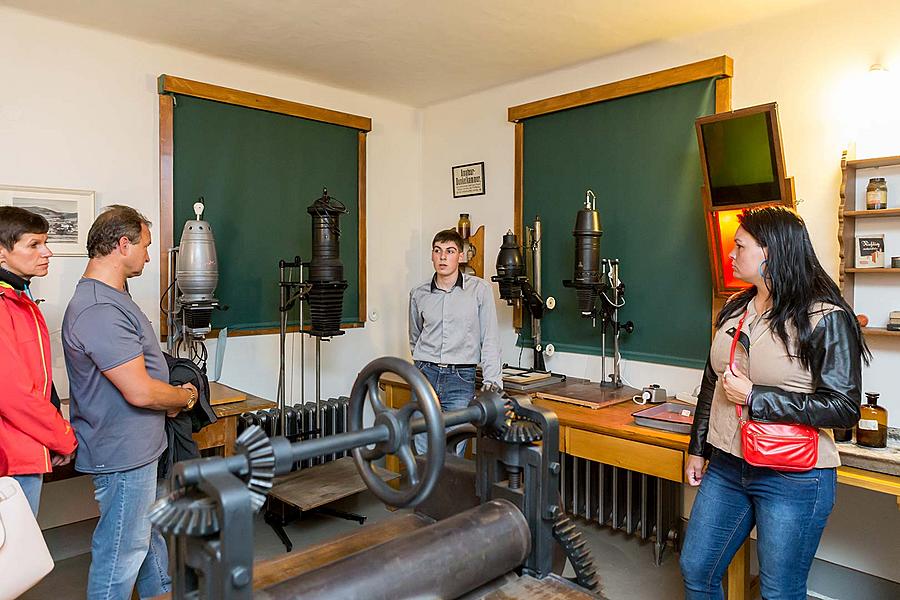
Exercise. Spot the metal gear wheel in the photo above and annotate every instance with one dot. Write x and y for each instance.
(516, 429)
(192, 514)
(258, 448)
(522, 431)
(572, 541)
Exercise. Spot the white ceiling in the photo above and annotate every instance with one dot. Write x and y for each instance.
(416, 52)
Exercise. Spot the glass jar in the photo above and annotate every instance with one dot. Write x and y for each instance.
(464, 227)
(876, 194)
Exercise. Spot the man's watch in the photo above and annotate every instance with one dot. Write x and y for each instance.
(192, 400)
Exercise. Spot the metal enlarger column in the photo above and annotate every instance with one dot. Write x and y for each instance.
(614, 281)
(318, 386)
(302, 343)
(282, 335)
(538, 362)
(173, 290)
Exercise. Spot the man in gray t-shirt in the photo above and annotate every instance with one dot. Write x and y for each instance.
(104, 328)
(120, 395)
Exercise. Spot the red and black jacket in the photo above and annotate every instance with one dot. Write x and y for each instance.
(30, 425)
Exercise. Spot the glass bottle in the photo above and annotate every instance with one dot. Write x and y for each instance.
(842, 435)
(871, 431)
(464, 227)
(876, 194)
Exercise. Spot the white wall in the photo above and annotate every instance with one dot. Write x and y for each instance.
(79, 109)
(810, 62)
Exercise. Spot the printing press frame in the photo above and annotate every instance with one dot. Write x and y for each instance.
(506, 541)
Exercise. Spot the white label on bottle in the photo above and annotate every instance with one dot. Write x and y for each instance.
(868, 424)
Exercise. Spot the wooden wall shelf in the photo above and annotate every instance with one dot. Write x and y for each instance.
(476, 240)
(847, 223)
(872, 214)
(871, 163)
(879, 332)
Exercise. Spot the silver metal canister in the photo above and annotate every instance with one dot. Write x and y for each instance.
(197, 268)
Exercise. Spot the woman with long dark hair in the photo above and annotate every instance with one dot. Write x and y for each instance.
(800, 362)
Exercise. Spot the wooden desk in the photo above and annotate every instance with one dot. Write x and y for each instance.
(220, 436)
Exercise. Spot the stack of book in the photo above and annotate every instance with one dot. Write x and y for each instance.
(893, 323)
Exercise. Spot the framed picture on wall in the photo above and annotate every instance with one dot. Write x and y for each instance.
(468, 180)
(69, 213)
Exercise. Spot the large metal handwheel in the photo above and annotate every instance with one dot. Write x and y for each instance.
(422, 399)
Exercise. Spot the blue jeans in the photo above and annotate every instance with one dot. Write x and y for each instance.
(31, 487)
(789, 511)
(125, 549)
(455, 388)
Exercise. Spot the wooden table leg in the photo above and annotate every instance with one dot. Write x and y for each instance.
(392, 463)
(230, 434)
(737, 578)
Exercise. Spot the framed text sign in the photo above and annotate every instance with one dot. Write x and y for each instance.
(468, 180)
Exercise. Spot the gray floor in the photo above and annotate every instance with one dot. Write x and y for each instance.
(624, 563)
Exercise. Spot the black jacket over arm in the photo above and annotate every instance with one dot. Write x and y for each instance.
(700, 427)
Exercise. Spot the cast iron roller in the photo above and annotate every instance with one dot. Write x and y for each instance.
(399, 422)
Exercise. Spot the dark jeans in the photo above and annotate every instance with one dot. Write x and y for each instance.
(789, 511)
(455, 388)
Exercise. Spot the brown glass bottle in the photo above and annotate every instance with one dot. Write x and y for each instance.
(464, 226)
(871, 431)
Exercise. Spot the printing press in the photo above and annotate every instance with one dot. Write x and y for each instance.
(492, 529)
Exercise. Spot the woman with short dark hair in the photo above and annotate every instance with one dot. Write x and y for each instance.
(788, 349)
(33, 435)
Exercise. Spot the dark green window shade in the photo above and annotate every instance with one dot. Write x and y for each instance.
(639, 155)
(258, 172)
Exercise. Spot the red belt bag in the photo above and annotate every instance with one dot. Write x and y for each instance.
(779, 446)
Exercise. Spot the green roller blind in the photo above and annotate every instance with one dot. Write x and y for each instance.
(258, 172)
(639, 155)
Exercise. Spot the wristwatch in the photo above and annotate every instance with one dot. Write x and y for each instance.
(192, 400)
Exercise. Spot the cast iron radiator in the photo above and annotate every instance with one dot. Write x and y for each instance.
(300, 424)
(624, 500)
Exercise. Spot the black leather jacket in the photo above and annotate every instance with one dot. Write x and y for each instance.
(837, 371)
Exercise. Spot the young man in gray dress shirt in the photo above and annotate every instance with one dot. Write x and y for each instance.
(453, 328)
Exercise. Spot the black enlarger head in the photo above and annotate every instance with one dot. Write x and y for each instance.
(510, 268)
(587, 273)
(326, 271)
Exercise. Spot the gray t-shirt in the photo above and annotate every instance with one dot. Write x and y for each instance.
(102, 329)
